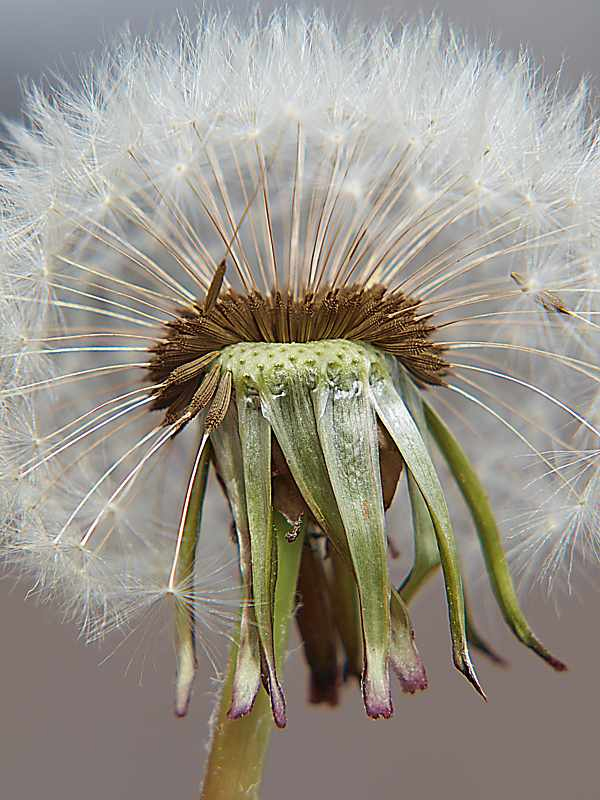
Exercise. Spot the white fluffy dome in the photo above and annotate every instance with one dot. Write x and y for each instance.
(307, 155)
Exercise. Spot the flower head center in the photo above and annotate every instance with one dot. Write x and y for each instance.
(186, 363)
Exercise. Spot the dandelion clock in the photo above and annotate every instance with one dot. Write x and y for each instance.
(340, 269)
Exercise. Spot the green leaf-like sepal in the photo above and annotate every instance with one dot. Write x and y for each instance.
(318, 404)
(185, 621)
(489, 536)
(292, 418)
(404, 431)
(427, 556)
(348, 436)
(228, 454)
(255, 437)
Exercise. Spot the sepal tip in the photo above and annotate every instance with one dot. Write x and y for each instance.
(377, 696)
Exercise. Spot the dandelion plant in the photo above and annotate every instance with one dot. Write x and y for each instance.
(330, 265)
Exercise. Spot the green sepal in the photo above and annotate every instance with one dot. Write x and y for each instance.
(292, 419)
(228, 454)
(185, 639)
(395, 416)
(255, 437)
(289, 554)
(489, 536)
(427, 561)
(348, 435)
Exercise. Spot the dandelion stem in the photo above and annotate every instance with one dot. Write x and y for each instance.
(239, 747)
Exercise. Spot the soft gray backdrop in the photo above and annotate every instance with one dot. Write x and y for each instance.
(72, 729)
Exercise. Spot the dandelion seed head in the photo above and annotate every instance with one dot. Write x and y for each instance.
(283, 184)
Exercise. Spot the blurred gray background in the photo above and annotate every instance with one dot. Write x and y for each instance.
(72, 728)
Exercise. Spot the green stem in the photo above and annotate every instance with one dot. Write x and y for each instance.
(239, 747)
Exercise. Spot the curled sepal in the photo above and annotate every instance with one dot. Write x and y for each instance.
(185, 640)
(489, 536)
(404, 656)
(255, 438)
(404, 431)
(348, 435)
(228, 455)
(317, 627)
